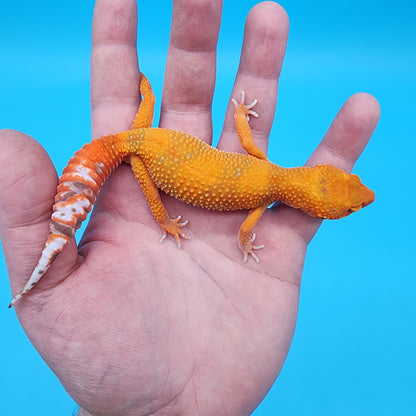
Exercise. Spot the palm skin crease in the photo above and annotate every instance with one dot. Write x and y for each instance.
(132, 327)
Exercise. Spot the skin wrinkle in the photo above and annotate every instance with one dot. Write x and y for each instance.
(341, 159)
(43, 217)
(293, 226)
(125, 98)
(105, 54)
(254, 75)
(287, 282)
(109, 42)
(177, 46)
(175, 398)
(199, 237)
(277, 278)
(198, 64)
(106, 101)
(93, 227)
(109, 105)
(191, 110)
(22, 227)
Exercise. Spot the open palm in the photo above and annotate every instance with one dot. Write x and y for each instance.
(134, 327)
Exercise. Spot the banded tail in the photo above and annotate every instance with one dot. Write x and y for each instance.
(77, 191)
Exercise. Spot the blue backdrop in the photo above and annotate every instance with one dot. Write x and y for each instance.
(354, 348)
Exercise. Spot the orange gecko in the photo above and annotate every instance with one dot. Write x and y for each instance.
(190, 170)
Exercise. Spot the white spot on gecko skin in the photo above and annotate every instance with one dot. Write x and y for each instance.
(99, 166)
(84, 173)
(72, 186)
(67, 212)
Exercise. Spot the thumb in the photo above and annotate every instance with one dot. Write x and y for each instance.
(28, 183)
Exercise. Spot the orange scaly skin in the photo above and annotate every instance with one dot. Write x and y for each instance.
(194, 172)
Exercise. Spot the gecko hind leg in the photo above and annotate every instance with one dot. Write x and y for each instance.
(151, 192)
(176, 224)
(144, 116)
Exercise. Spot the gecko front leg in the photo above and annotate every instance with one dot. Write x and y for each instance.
(246, 236)
(242, 115)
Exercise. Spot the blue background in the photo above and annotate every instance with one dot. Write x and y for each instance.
(354, 348)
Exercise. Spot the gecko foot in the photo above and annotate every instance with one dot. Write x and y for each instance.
(248, 249)
(245, 108)
(174, 227)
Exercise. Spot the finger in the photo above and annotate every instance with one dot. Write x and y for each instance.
(341, 146)
(190, 68)
(27, 188)
(349, 134)
(114, 67)
(262, 54)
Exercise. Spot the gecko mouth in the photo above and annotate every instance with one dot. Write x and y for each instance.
(356, 208)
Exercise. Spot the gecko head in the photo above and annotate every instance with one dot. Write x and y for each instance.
(331, 193)
(348, 193)
(361, 196)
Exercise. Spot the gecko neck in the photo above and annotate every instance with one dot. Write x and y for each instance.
(289, 185)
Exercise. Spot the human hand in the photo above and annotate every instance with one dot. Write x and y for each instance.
(133, 327)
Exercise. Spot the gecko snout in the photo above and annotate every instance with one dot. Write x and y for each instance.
(363, 196)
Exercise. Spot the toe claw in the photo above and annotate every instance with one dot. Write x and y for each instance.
(164, 235)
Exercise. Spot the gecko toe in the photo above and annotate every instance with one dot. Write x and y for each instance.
(248, 250)
(173, 227)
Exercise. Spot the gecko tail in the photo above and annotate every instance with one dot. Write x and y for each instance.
(77, 191)
(53, 246)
